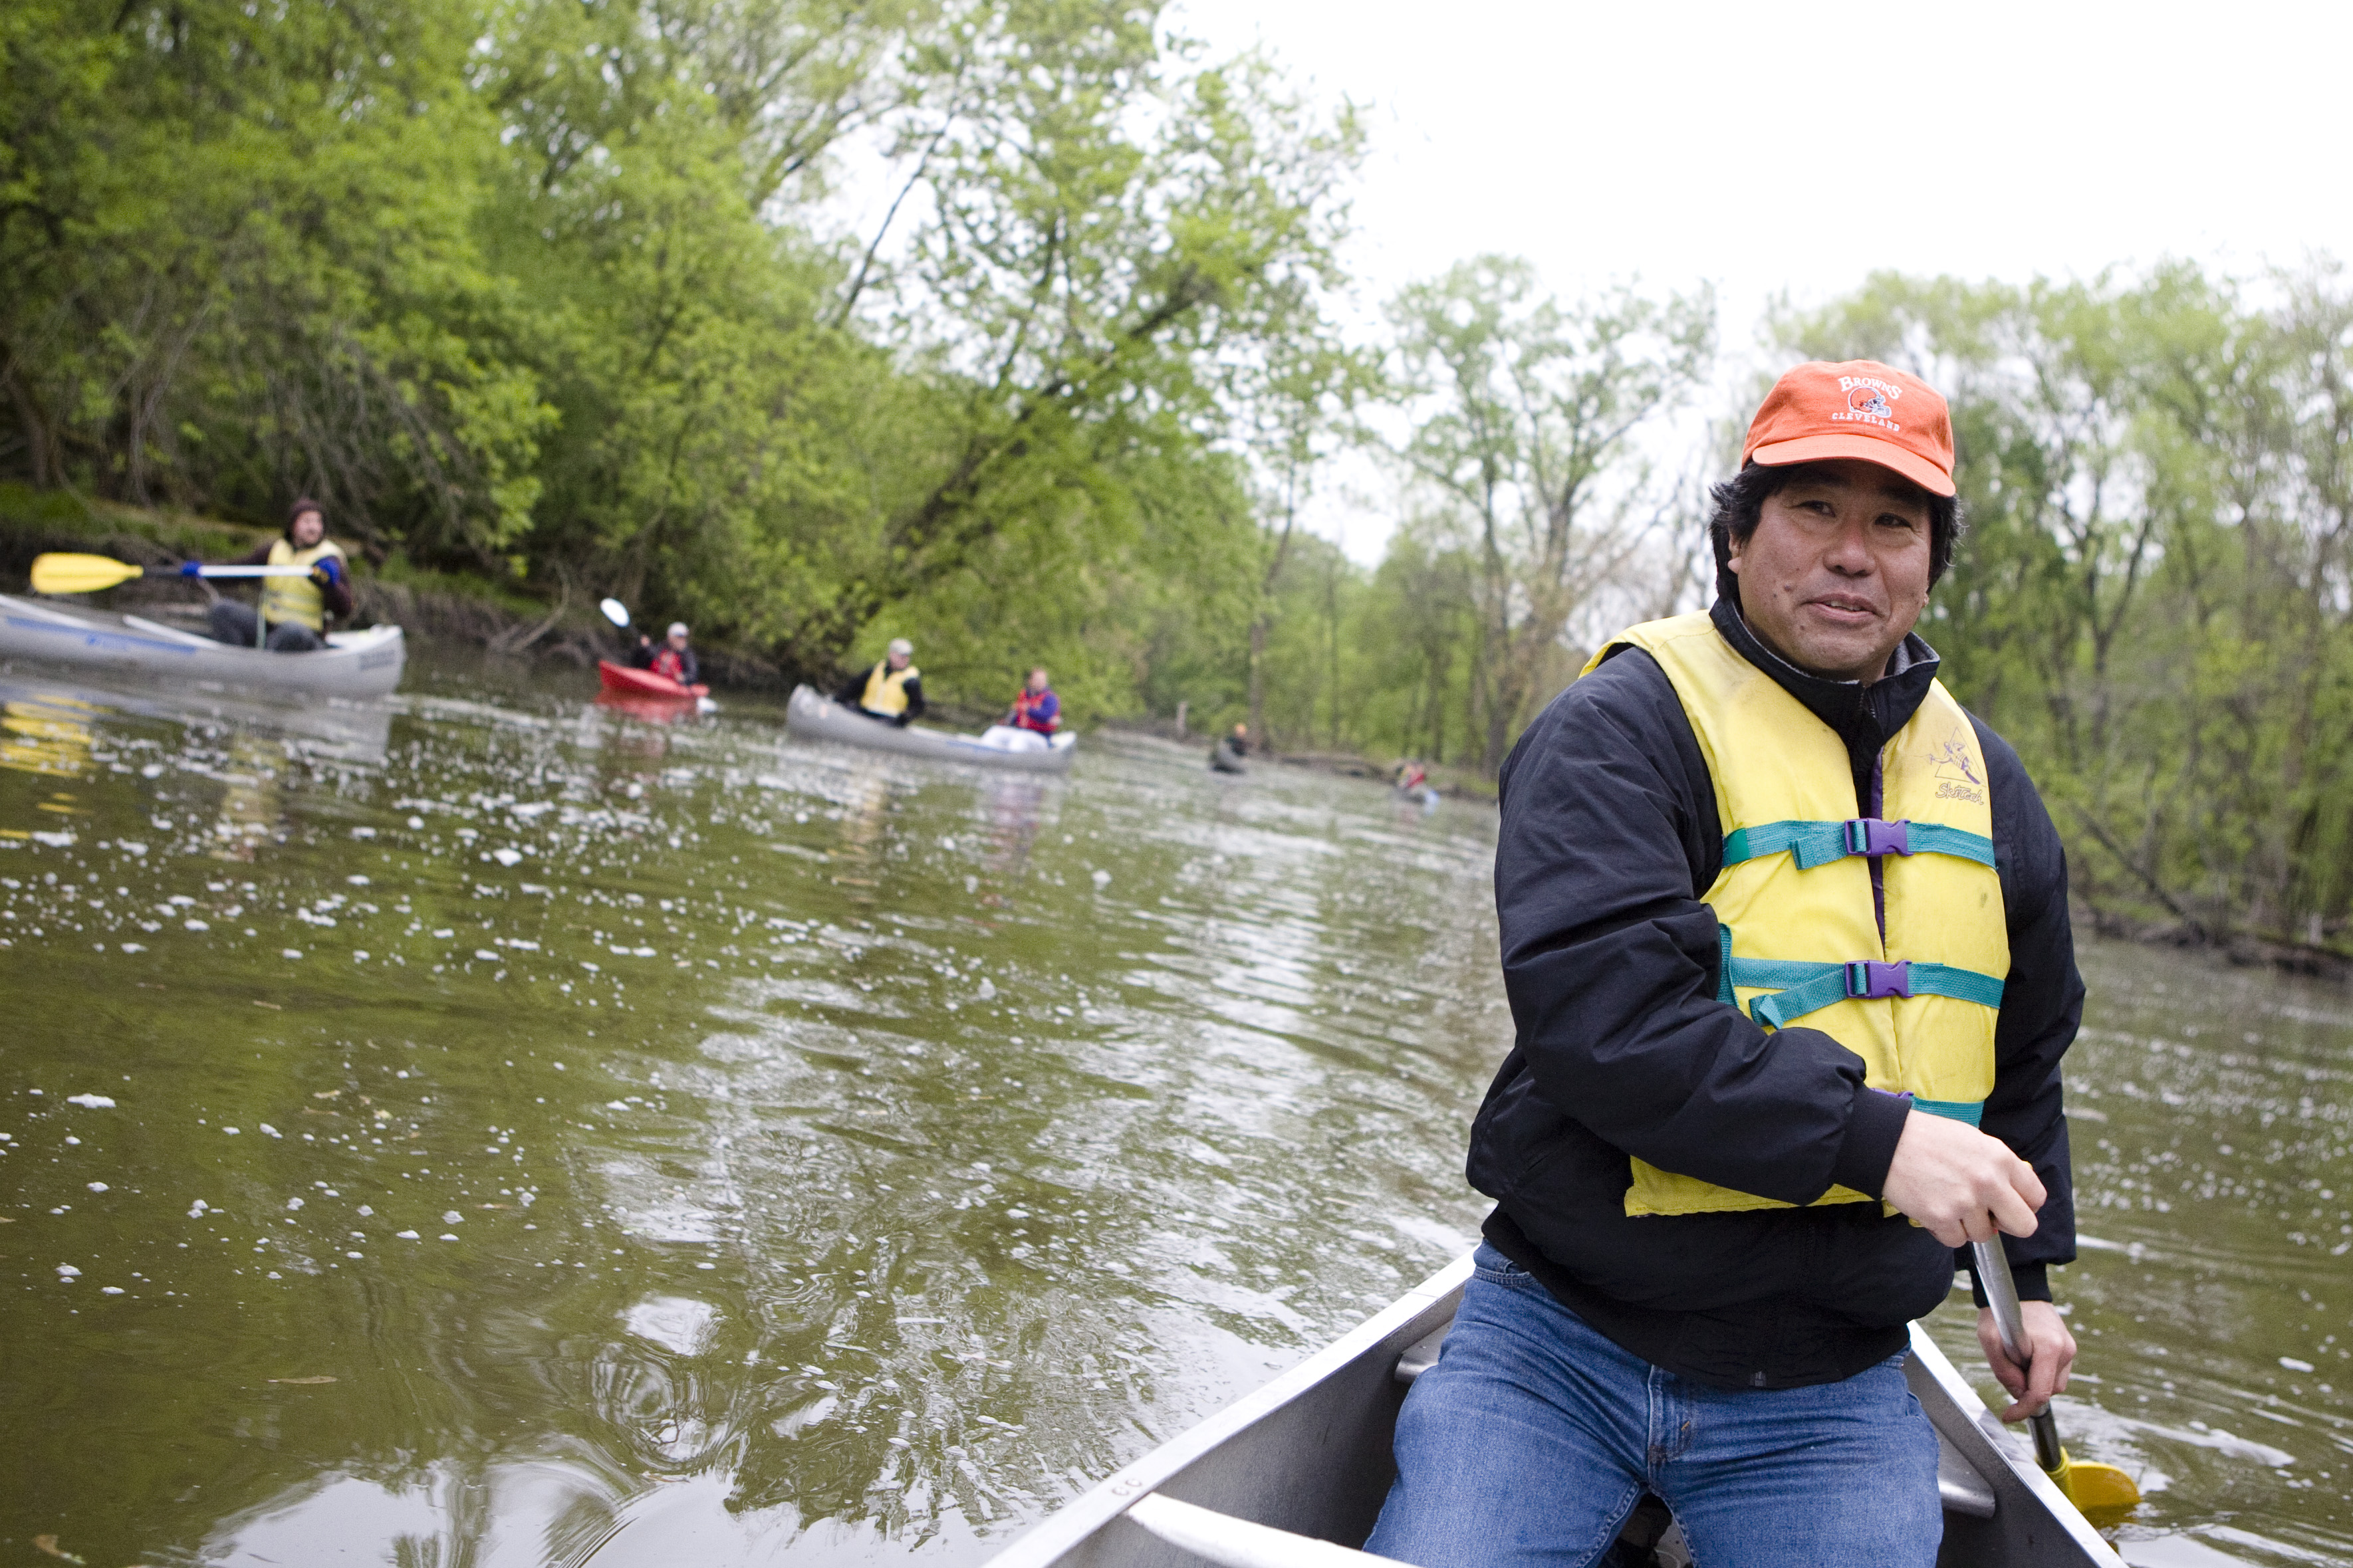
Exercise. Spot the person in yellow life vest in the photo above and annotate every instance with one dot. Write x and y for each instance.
(892, 691)
(1784, 930)
(294, 610)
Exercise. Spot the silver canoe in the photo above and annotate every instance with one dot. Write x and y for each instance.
(822, 718)
(353, 663)
(1275, 1479)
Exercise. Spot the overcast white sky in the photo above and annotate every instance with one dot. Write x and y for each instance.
(1795, 147)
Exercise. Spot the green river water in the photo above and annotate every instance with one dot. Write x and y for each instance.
(494, 1129)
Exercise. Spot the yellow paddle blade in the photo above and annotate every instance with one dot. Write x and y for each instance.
(78, 573)
(2104, 1493)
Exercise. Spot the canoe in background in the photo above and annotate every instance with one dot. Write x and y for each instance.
(354, 664)
(1309, 1454)
(822, 719)
(624, 682)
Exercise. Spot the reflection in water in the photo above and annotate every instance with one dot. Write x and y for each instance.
(48, 733)
(250, 800)
(864, 813)
(538, 1152)
(1016, 810)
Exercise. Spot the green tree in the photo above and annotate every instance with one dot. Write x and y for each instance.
(2151, 600)
(1525, 418)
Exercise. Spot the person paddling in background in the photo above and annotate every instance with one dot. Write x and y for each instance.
(1035, 705)
(671, 657)
(1785, 935)
(295, 609)
(892, 691)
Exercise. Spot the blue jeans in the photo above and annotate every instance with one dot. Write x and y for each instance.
(1533, 1437)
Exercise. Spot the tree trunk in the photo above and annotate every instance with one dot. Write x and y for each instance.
(1332, 618)
(1258, 678)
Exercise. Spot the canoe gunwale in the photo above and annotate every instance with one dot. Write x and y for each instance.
(2020, 1488)
(1386, 1335)
(353, 665)
(1400, 1341)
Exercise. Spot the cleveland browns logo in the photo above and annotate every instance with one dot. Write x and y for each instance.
(1869, 401)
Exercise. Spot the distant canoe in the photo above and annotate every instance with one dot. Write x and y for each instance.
(621, 679)
(1309, 1454)
(820, 718)
(353, 663)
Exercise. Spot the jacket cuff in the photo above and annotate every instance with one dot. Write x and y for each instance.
(2032, 1280)
(1873, 1125)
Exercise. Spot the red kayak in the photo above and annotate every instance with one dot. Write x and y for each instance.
(629, 682)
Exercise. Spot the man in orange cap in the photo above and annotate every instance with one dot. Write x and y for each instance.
(1785, 936)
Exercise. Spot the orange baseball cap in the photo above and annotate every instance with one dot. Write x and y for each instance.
(1857, 409)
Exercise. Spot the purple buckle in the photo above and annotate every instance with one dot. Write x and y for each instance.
(1869, 835)
(1869, 980)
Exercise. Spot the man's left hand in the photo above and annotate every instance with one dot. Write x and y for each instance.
(328, 571)
(2051, 1350)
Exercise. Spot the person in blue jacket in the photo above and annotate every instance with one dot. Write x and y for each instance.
(1035, 705)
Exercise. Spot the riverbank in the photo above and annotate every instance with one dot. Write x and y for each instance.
(477, 612)
(1451, 782)
(446, 606)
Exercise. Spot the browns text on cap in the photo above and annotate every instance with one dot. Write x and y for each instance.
(1860, 409)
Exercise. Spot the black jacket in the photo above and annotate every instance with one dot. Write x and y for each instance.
(1609, 838)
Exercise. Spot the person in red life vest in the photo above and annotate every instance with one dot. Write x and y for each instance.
(892, 691)
(293, 609)
(1036, 708)
(671, 657)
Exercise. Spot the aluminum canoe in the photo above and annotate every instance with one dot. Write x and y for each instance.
(1293, 1475)
(42, 631)
(822, 719)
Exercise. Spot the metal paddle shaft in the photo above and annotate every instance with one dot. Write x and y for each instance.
(2010, 1322)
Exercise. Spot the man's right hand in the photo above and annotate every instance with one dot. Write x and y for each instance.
(1960, 1183)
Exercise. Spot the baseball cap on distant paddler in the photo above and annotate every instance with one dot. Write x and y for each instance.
(1860, 409)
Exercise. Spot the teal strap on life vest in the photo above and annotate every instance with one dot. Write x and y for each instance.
(1820, 843)
(1969, 1111)
(1800, 987)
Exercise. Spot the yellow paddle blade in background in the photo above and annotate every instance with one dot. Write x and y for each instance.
(78, 573)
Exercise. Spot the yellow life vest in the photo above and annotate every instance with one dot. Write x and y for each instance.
(886, 690)
(297, 599)
(1799, 938)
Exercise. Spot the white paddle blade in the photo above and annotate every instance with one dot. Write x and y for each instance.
(615, 612)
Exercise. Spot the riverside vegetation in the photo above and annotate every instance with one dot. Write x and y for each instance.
(555, 297)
